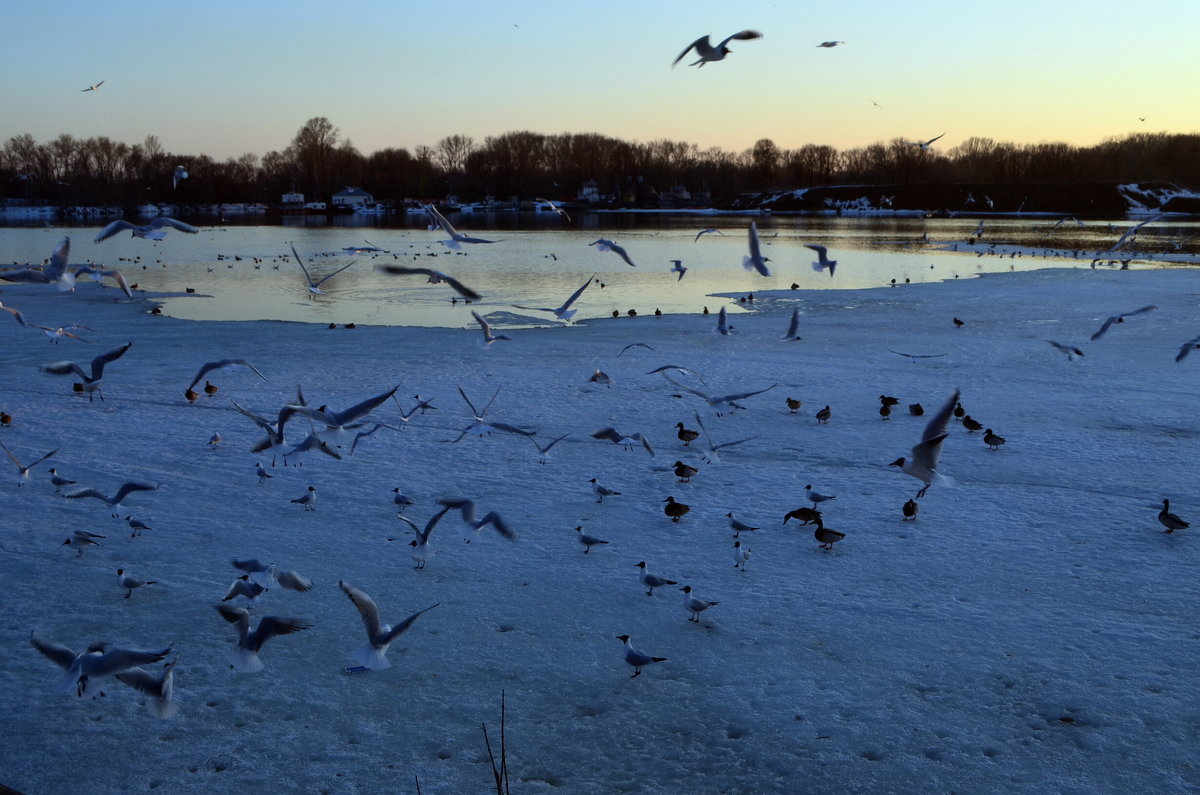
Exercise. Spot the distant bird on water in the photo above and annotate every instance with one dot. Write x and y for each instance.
(709, 53)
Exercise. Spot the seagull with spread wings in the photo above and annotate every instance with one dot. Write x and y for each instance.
(1120, 319)
(563, 312)
(435, 277)
(155, 230)
(708, 53)
(91, 382)
(456, 237)
(314, 288)
(380, 636)
(603, 244)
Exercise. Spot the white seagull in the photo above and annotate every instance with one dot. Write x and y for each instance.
(755, 260)
(486, 328)
(555, 208)
(314, 288)
(81, 540)
(92, 87)
(712, 230)
(268, 575)
(924, 144)
(823, 261)
(456, 237)
(587, 540)
(308, 500)
(379, 636)
(652, 581)
(16, 313)
(563, 312)
(923, 462)
(544, 449)
(723, 328)
(54, 272)
(717, 401)
(91, 381)
(160, 688)
(98, 275)
(677, 266)
(94, 663)
(710, 456)
(602, 491)
(709, 53)
(636, 658)
(23, 469)
(693, 605)
(155, 230)
(626, 440)
(435, 277)
(245, 659)
(179, 175)
(607, 245)
(482, 426)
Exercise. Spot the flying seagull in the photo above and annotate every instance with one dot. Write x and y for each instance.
(1120, 319)
(922, 464)
(98, 274)
(555, 208)
(709, 53)
(924, 144)
(180, 173)
(793, 331)
(456, 237)
(91, 382)
(823, 261)
(607, 245)
(124, 491)
(1070, 350)
(711, 457)
(155, 230)
(830, 44)
(55, 272)
(245, 659)
(717, 401)
(92, 87)
(482, 426)
(626, 440)
(210, 366)
(1187, 348)
(97, 661)
(23, 469)
(435, 277)
(160, 688)
(379, 635)
(712, 230)
(314, 288)
(755, 260)
(677, 266)
(563, 312)
(488, 336)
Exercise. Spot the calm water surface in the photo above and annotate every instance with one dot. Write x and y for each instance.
(246, 272)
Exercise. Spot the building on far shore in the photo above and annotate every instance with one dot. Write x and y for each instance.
(349, 197)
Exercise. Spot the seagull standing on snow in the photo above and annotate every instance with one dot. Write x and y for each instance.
(155, 230)
(693, 605)
(636, 658)
(652, 581)
(380, 636)
(823, 261)
(587, 540)
(309, 499)
(923, 462)
(709, 53)
(602, 491)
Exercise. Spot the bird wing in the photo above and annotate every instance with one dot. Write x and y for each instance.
(741, 35)
(366, 608)
(250, 566)
(622, 254)
(446, 226)
(118, 660)
(487, 330)
(403, 626)
(361, 434)
(35, 463)
(459, 287)
(931, 140)
(335, 273)
(821, 252)
(700, 45)
(119, 225)
(104, 358)
(139, 679)
(423, 535)
(937, 424)
(306, 274)
(495, 520)
(294, 581)
(60, 655)
(464, 505)
(86, 493)
(239, 616)
(741, 395)
(506, 428)
(1104, 327)
(162, 220)
(360, 410)
(546, 449)
(272, 626)
(1187, 348)
(611, 434)
(633, 345)
(567, 304)
(63, 368)
(130, 487)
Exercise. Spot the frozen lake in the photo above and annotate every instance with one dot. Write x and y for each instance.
(247, 273)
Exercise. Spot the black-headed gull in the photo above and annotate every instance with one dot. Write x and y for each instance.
(124, 491)
(91, 381)
(922, 464)
(314, 288)
(604, 244)
(160, 688)
(587, 540)
(250, 642)
(755, 260)
(554, 207)
(23, 469)
(208, 367)
(456, 237)
(924, 145)
(636, 658)
(651, 581)
(694, 605)
(563, 312)
(435, 277)
(98, 275)
(380, 636)
(54, 272)
(823, 261)
(1120, 319)
(709, 53)
(97, 661)
(155, 230)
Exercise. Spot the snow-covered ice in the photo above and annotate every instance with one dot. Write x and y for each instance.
(1033, 630)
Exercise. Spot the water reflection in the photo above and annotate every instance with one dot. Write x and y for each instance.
(244, 271)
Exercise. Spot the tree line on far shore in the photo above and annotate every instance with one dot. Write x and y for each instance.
(319, 162)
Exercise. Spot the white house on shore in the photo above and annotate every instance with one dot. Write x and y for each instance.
(351, 197)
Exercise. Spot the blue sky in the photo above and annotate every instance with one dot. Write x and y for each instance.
(243, 77)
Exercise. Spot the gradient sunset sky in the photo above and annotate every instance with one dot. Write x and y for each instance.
(225, 78)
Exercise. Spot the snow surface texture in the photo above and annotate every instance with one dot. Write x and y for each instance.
(1034, 629)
